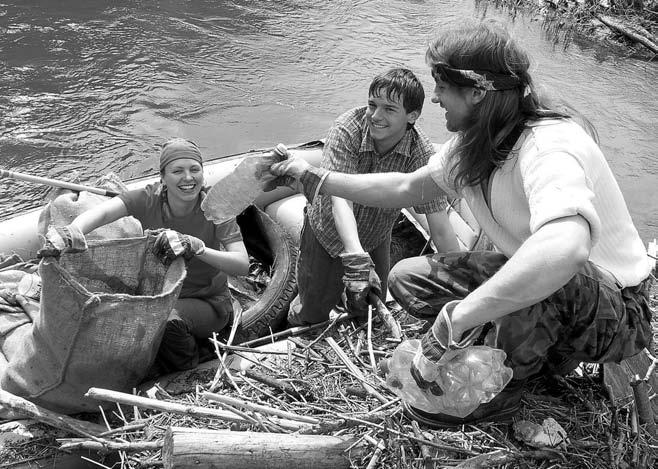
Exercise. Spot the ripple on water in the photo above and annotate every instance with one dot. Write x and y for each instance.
(93, 87)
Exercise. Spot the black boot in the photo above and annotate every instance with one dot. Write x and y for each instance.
(500, 409)
(179, 349)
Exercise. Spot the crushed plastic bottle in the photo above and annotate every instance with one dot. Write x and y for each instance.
(468, 377)
(237, 189)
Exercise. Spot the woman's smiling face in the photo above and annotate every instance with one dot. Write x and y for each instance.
(184, 179)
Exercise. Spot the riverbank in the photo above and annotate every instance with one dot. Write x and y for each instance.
(626, 27)
(322, 386)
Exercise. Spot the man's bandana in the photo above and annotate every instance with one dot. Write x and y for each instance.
(482, 79)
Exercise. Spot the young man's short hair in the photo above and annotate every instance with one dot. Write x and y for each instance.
(399, 83)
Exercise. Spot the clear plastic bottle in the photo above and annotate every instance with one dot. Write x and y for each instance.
(468, 377)
(237, 189)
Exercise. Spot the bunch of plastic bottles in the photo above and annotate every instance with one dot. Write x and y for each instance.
(467, 378)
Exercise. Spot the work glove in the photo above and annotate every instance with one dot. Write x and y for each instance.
(170, 244)
(63, 238)
(359, 279)
(434, 343)
(269, 181)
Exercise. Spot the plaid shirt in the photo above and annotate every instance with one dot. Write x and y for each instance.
(349, 148)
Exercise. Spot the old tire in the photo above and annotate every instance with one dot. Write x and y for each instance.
(269, 312)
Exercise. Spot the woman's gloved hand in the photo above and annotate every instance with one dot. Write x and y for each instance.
(63, 238)
(359, 279)
(434, 343)
(170, 244)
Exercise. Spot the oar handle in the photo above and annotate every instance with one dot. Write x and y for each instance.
(56, 183)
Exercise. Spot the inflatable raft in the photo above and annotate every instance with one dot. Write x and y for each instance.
(274, 221)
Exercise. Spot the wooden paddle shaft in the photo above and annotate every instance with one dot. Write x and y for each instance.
(56, 183)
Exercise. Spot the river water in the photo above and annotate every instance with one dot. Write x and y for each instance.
(96, 86)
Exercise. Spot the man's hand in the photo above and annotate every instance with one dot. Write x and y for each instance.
(359, 279)
(430, 386)
(170, 244)
(63, 238)
(434, 343)
(268, 180)
(293, 166)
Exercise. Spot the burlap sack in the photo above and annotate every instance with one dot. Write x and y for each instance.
(102, 316)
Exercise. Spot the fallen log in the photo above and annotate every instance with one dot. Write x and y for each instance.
(628, 32)
(200, 448)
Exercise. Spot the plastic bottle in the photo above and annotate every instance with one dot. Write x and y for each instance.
(468, 377)
(236, 190)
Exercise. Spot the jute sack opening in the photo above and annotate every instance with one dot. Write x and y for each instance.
(101, 320)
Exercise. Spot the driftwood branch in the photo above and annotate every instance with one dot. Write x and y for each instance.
(101, 446)
(258, 408)
(386, 316)
(502, 457)
(272, 382)
(643, 406)
(355, 370)
(424, 449)
(628, 32)
(293, 331)
(173, 407)
(28, 409)
(380, 446)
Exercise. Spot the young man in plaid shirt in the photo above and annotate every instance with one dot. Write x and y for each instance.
(344, 245)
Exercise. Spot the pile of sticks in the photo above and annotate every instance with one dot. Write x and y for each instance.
(319, 402)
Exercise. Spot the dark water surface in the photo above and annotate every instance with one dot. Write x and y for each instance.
(97, 86)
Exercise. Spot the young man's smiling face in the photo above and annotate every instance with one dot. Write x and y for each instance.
(387, 120)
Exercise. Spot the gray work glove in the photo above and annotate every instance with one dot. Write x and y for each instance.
(434, 343)
(170, 244)
(359, 279)
(63, 238)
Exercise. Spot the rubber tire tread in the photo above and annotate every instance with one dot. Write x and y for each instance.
(269, 313)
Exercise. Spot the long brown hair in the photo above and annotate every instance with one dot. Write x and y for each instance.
(499, 119)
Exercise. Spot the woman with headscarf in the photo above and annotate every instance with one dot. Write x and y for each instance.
(211, 251)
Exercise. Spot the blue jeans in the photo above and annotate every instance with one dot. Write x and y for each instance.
(319, 278)
(589, 319)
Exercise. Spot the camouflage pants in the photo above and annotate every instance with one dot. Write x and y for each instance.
(589, 319)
